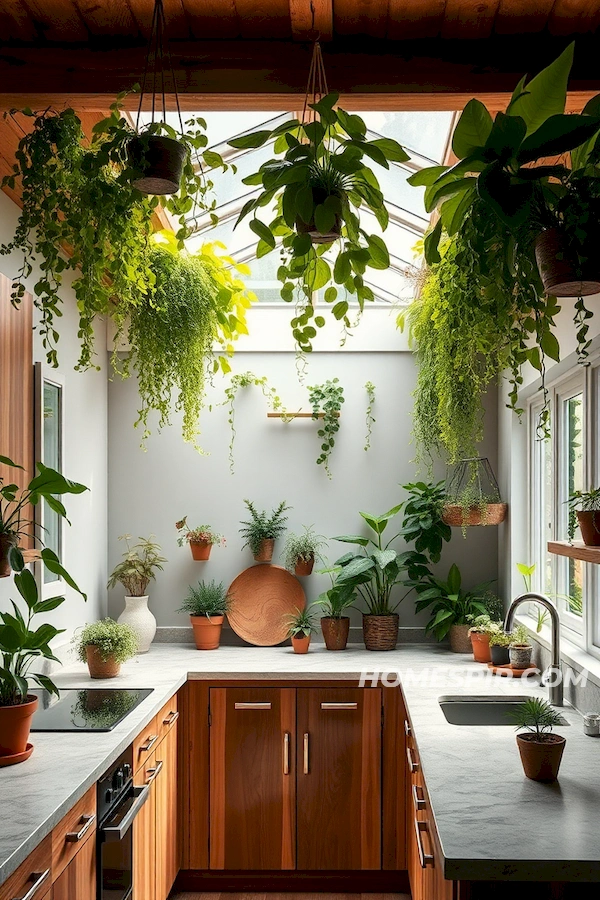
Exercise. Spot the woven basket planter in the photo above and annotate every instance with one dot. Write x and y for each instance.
(492, 514)
(380, 632)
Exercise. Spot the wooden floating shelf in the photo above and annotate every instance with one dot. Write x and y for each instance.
(298, 415)
(576, 550)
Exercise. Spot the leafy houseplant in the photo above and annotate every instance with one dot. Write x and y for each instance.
(326, 400)
(207, 604)
(301, 550)
(135, 572)
(104, 646)
(451, 607)
(200, 539)
(262, 530)
(473, 495)
(541, 750)
(422, 518)
(334, 624)
(319, 182)
(499, 643)
(520, 648)
(479, 634)
(542, 613)
(584, 509)
(301, 628)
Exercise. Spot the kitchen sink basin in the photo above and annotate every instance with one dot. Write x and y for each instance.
(462, 710)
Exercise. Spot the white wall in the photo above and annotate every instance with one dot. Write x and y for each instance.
(85, 455)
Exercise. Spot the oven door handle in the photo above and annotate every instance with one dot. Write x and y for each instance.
(117, 832)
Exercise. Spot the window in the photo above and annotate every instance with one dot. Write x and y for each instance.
(49, 451)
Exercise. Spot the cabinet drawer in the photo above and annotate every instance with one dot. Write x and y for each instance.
(34, 875)
(76, 827)
(167, 717)
(145, 743)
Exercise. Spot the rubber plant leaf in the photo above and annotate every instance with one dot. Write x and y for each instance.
(472, 129)
(546, 94)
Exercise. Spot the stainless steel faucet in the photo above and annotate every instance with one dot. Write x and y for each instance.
(553, 673)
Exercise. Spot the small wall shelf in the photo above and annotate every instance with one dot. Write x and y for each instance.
(576, 550)
(297, 415)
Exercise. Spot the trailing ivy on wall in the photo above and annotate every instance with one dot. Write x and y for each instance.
(239, 382)
(327, 399)
(370, 389)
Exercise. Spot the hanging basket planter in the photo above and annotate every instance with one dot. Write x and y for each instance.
(473, 496)
(159, 160)
(333, 233)
(560, 274)
(489, 514)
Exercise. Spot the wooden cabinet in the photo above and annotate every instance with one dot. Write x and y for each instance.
(338, 764)
(75, 829)
(144, 837)
(33, 875)
(78, 879)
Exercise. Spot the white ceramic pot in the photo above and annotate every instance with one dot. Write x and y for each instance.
(137, 614)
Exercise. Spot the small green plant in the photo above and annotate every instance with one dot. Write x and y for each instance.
(113, 640)
(336, 600)
(138, 567)
(480, 624)
(262, 526)
(537, 717)
(301, 624)
(370, 389)
(582, 501)
(326, 400)
(201, 534)
(542, 613)
(237, 383)
(422, 521)
(207, 598)
(520, 636)
(499, 637)
(302, 547)
(448, 603)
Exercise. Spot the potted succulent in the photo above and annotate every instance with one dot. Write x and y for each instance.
(200, 539)
(479, 633)
(104, 646)
(451, 607)
(541, 750)
(262, 530)
(499, 643)
(520, 648)
(334, 624)
(206, 604)
(301, 627)
(135, 572)
(301, 550)
(584, 509)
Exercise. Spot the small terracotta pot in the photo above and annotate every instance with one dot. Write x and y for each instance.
(380, 632)
(160, 162)
(541, 759)
(589, 525)
(335, 632)
(200, 550)
(520, 655)
(101, 668)
(460, 642)
(301, 644)
(481, 647)
(15, 724)
(6, 542)
(265, 551)
(304, 567)
(207, 631)
(560, 274)
(500, 655)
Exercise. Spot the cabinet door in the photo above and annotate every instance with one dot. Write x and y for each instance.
(339, 778)
(252, 778)
(167, 864)
(144, 837)
(78, 879)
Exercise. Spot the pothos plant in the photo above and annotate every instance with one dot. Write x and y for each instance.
(370, 420)
(326, 401)
(239, 382)
(319, 181)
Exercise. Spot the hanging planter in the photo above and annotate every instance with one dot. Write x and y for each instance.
(560, 272)
(473, 496)
(160, 159)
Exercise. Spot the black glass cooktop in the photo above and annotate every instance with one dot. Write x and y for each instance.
(88, 709)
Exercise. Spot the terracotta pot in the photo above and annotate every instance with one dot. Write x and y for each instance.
(520, 655)
(492, 514)
(200, 550)
(335, 632)
(160, 161)
(500, 656)
(589, 525)
(460, 642)
(304, 567)
(265, 552)
(481, 647)
(301, 644)
(15, 724)
(560, 274)
(380, 632)
(541, 759)
(207, 632)
(101, 668)
(6, 542)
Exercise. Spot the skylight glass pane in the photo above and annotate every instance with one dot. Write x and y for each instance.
(424, 132)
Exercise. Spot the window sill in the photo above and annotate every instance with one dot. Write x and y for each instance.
(570, 652)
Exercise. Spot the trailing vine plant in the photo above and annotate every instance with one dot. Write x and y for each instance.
(326, 400)
(370, 389)
(238, 382)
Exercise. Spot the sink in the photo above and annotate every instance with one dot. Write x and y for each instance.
(463, 710)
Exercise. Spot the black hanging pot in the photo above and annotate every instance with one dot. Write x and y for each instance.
(316, 236)
(159, 160)
(559, 271)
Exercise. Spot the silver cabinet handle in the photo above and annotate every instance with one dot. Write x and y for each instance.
(149, 743)
(426, 859)
(407, 728)
(306, 739)
(86, 821)
(413, 765)
(171, 718)
(286, 753)
(253, 704)
(419, 802)
(339, 705)
(154, 771)
(117, 832)
(38, 879)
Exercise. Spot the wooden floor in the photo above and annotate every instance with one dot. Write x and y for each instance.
(281, 896)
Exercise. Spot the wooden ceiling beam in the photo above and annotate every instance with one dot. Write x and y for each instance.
(301, 18)
(522, 16)
(414, 19)
(472, 19)
(574, 16)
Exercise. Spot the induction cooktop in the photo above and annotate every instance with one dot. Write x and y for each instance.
(86, 709)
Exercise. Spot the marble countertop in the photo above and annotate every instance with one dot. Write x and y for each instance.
(492, 821)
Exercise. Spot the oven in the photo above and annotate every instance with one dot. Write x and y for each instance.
(119, 802)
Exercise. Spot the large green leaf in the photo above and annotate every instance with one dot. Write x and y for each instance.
(557, 135)
(49, 481)
(352, 539)
(472, 129)
(506, 136)
(391, 149)
(431, 244)
(356, 569)
(263, 232)
(250, 141)
(52, 563)
(454, 579)
(5, 461)
(380, 257)
(384, 558)
(426, 177)
(26, 585)
(546, 94)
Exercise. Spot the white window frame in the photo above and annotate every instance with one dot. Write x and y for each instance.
(44, 375)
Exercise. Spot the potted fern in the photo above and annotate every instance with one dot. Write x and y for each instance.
(300, 551)
(301, 627)
(104, 646)
(135, 572)
(206, 605)
(541, 750)
(200, 539)
(262, 530)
